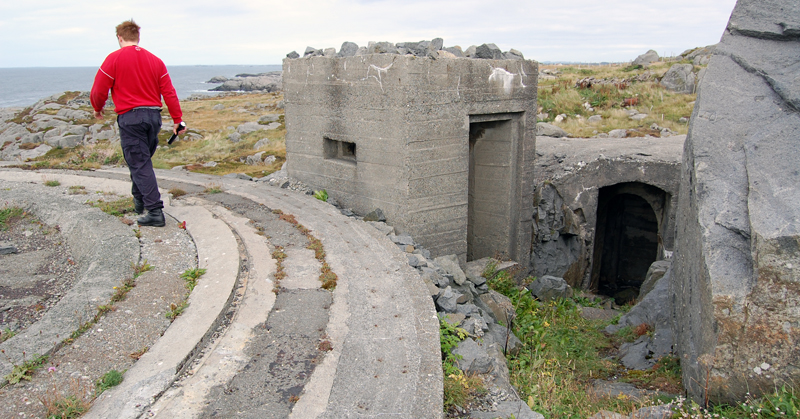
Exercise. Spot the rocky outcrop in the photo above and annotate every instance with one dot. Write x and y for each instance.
(52, 122)
(264, 82)
(736, 266)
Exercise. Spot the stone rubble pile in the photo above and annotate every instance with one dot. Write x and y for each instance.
(432, 49)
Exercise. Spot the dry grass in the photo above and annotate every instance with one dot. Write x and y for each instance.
(204, 121)
(562, 96)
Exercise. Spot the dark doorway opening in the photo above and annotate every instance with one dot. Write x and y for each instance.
(627, 239)
(489, 189)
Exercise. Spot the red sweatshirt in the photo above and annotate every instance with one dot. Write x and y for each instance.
(136, 78)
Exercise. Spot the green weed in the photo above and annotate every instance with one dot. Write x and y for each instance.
(26, 369)
(117, 208)
(10, 214)
(191, 276)
(110, 379)
(322, 195)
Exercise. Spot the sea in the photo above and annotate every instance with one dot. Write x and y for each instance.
(21, 87)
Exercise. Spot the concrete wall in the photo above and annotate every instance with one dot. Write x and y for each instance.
(409, 119)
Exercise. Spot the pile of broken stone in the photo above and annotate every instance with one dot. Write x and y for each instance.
(432, 49)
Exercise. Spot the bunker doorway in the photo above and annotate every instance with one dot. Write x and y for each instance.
(492, 212)
(627, 239)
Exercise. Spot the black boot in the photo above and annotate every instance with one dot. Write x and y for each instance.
(154, 218)
(138, 205)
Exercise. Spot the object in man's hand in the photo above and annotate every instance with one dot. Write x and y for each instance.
(181, 127)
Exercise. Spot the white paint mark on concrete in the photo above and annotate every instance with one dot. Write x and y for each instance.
(380, 71)
(501, 75)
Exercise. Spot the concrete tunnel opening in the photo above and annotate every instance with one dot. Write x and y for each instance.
(627, 240)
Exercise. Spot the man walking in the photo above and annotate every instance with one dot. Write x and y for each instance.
(137, 80)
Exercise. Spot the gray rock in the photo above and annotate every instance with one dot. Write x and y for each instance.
(548, 288)
(73, 114)
(218, 107)
(653, 412)
(380, 226)
(474, 358)
(241, 176)
(7, 248)
(34, 153)
(450, 264)
(436, 44)
(235, 137)
(293, 55)
(602, 388)
(264, 142)
(32, 138)
(255, 159)
(488, 51)
(646, 58)
(679, 78)
(497, 305)
(737, 208)
(348, 49)
(12, 132)
(654, 273)
(67, 141)
(382, 48)
(249, 127)
(455, 51)
(272, 159)
(217, 80)
(636, 355)
(375, 215)
(210, 164)
(595, 119)
(447, 300)
(507, 409)
(312, 52)
(618, 133)
(475, 326)
(266, 119)
(506, 339)
(471, 51)
(431, 275)
(550, 130)
(403, 239)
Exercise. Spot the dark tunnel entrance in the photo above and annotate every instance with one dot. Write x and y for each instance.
(627, 239)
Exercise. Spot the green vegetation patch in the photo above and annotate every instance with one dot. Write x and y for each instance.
(10, 214)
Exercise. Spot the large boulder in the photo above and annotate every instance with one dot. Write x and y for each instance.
(645, 59)
(550, 130)
(736, 265)
(679, 78)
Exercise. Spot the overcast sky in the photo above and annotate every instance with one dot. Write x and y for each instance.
(59, 33)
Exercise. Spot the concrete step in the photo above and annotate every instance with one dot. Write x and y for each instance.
(382, 324)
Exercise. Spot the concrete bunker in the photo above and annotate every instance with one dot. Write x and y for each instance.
(627, 238)
(444, 147)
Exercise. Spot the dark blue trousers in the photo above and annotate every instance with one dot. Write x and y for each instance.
(138, 132)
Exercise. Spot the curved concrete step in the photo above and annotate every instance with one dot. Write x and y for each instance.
(383, 326)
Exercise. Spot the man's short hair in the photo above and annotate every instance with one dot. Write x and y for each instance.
(128, 31)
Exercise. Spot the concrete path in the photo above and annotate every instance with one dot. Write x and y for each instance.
(381, 323)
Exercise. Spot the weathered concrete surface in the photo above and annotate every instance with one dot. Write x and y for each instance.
(394, 132)
(737, 260)
(105, 251)
(569, 174)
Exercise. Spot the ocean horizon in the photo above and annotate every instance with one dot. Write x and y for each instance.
(24, 86)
